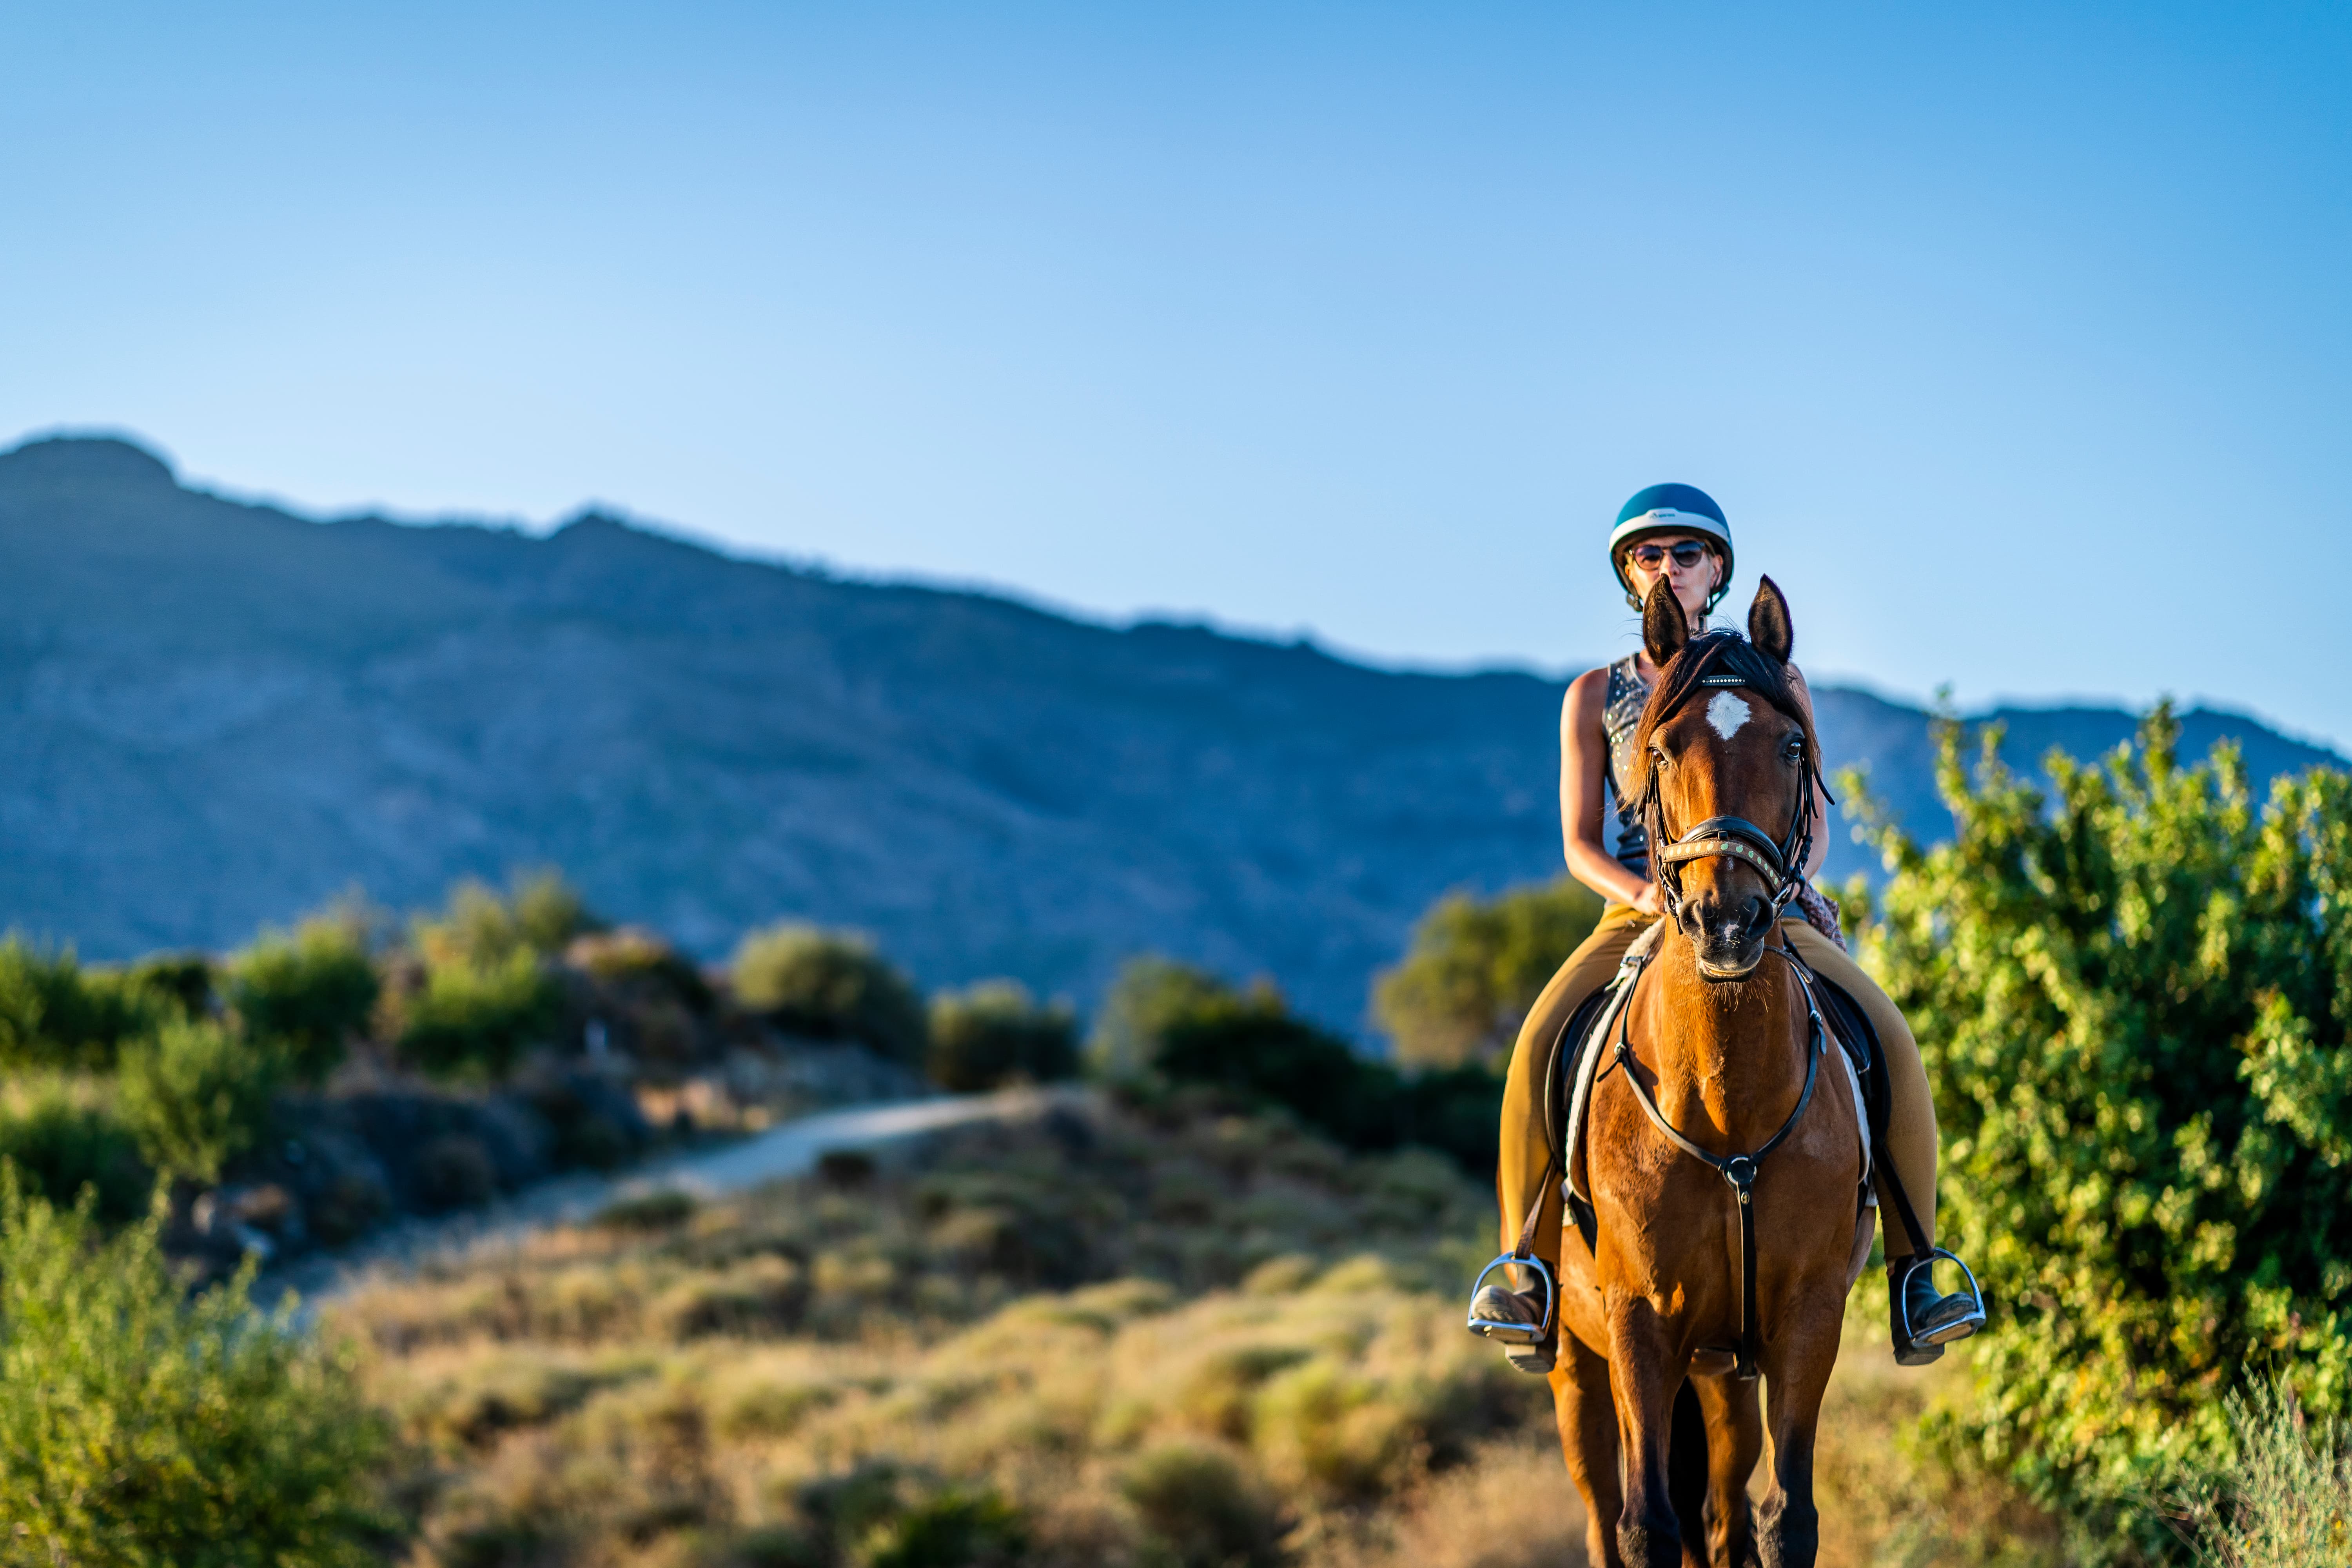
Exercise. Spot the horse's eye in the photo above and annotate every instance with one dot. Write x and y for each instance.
(1658, 758)
(1795, 749)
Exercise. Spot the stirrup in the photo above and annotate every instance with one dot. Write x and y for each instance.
(1509, 1333)
(1959, 1328)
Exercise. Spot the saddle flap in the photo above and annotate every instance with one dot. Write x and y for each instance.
(1603, 1009)
(1852, 1028)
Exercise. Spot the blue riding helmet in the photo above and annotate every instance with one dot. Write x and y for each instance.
(1671, 509)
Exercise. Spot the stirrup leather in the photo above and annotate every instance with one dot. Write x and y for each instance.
(1959, 1328)
(1510, 1334)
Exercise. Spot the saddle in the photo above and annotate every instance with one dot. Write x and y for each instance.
(1577, 1051)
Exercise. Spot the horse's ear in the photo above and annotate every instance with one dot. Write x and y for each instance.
(1768, 621)
(1664, 628)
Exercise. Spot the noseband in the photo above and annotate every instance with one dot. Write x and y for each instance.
(1780, 861)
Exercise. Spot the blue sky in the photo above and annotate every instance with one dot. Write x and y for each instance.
(2013, 338)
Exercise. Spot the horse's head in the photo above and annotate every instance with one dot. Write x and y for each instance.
(1730, 759)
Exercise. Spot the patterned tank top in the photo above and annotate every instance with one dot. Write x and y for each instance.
(1621, 714)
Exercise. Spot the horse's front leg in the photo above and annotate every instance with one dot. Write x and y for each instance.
(1645, 1371)
(1588, 1439)
(1797, 1374)
(1735, 1441)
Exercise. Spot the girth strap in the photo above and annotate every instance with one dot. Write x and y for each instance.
(1739, 1170)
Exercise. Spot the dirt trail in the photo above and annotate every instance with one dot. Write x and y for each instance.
(790, 1148)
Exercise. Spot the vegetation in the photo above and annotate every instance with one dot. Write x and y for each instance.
(141, 1426)
(996, 1033)
(61, 1135)
(830, 985)
(2134, 995)
(538, 914)
(55, 1014)
(474, 1018)
(2284, 1496)
(1165, 1021)
(198, 1095)
(1172, 1335)
(308, 990)
(1475, 969)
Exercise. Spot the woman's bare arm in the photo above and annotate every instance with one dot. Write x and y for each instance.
(1583, 786)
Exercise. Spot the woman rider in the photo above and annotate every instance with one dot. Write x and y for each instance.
(1676, 532)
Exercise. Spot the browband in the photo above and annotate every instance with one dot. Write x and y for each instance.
(1779, 861)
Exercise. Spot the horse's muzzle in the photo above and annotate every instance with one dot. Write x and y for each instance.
(1728, 941)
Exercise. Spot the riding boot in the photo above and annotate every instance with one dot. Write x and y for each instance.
(1497, 1304)
(1924, 1320)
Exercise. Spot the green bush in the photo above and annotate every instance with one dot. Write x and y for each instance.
(310, 990)
(141, 1427)
(198, 1095)
(1151, 996)
(1207, 1510)
(474, 1021)
(1179, 1024)
(62, 1137)
(1475, 969)
(55, 1014)
(995, 1034)
(2134, 997)
(538, 914)
(833, 985)
(2283, 1497)
(885, 1515)
(183, 981)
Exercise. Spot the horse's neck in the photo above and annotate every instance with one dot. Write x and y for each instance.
(1723, 1051)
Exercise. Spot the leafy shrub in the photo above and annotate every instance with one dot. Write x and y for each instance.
(885, 1515)
(538, 914)
(958, 1527)
(2134, 998)
(55, 1014)
(2284, 1496)
(198, 1095)
(1151, 997)
(474, 1020)
(1187, 1026)
(1204, 1508)
(182, 981)
(758, 1293)
(454, 1171)
(139, 1427)
(995, 1034)
(633, 958)
(61, 1138)
(1475, 969)
(310, 990)
(832, 986)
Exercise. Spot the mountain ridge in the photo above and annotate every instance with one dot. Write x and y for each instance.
(224, 713)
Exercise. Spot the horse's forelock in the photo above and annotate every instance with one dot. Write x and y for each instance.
(1759, 671)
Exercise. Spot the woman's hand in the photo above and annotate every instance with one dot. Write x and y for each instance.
(1650, 901)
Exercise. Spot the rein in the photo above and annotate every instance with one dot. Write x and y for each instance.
(1782, 862)
(1737, 1170)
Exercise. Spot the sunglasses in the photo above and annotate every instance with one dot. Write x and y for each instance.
(1650, 557)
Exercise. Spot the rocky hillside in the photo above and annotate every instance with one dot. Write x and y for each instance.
(218, 715)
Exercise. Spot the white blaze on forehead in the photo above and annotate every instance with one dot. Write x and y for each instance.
(1726, 714)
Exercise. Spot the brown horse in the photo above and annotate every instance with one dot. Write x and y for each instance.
(1717, 1056)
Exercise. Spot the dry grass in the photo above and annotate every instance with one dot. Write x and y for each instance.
(1177, 1341)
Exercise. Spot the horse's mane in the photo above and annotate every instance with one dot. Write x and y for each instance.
(1719, 654)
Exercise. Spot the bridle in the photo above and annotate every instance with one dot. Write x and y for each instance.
(1781, 861)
